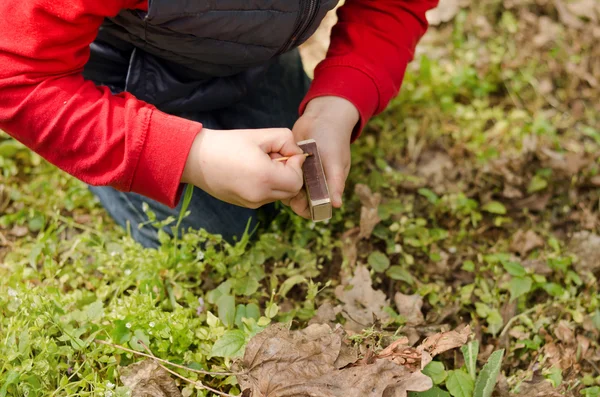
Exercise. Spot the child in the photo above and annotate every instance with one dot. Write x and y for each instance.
(139, 97)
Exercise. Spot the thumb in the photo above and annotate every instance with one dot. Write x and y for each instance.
(288, 176)
(296, 162)
(336, 181)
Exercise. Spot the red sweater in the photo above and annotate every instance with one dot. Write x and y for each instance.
(120, 141)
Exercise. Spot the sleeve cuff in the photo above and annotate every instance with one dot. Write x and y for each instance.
(346, 82)
(162, 159)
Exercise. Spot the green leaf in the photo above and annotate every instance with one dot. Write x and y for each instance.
(290, 283)
(378, 261)
(436, 371)
(246, 285)
(514, 268)
(230, 344)
(226, 310)
(495, 322)
(553, 289)
(460, 384)
(400, 273)
(240, 313)
(470, 352)
(591, 391)
(94, 310)
(139, 336)
(271, 310)
(536, 184)
(11, 377)
(554, 375)
(486, 381)
(433, 392)
(252, 311)
(494, 207)
(429, 195)
(121, 333)
(519, 286)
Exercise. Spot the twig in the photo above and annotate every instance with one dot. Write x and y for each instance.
(198, 371)
(195, 383)
(590, 362)
(280, 159)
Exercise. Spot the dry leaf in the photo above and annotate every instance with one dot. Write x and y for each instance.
(349, 250)
(586, 246)
(402, 354)
(439, 343)
(543, 388)
(585, 9)
(361, 303)
(444, 12)
(147, 379)
(409, 306)
(282, 363)
(433, 164)
(566, 17)
(19, 231)
(536, 202)
(548, 32)
(524, 242)
(369, 217)
(325, 314)
(564, 333)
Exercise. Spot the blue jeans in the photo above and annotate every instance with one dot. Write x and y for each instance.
(273, 104)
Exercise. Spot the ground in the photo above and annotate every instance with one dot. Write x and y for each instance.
(473, 199)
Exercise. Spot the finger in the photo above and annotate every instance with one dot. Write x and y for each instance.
(274, 156)
(288, 176)
(279, 140)
(286, 202)
(336, 175)
(299, 205)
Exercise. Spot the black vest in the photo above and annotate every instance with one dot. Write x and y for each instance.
(198, 55)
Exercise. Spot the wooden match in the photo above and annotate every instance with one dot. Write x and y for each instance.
(280, 159)
(315, 183)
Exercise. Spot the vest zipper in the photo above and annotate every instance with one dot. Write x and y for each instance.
(307, 17)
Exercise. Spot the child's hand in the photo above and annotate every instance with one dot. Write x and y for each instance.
(329, 121)
(235, 166)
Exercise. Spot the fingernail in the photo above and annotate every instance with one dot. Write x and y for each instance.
(338, 200)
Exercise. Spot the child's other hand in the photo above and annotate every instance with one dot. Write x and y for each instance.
(329, 120)
(236, 166)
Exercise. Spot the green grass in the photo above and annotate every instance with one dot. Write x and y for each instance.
(461, 161)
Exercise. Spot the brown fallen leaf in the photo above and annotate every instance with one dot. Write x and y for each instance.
(369, 217)
(147, 379)
(566, 16)
(541, 388)
(281, 363)
(325, 314)
(409, 306)
(536, 202)
(19, 231)
(586, 246)
(442, 342)
(564, 333)
(524, 242)
(360, 302)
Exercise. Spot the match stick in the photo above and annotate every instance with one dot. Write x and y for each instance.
(280, 159)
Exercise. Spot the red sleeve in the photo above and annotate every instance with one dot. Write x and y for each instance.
(371, 45)
(45, 103)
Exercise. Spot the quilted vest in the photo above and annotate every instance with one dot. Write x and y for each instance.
(198, 55)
